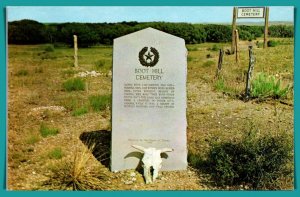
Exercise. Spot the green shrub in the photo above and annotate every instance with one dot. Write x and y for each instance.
(220, 84)
(245, 35)
(80, 111)
(266, 86)
(196, 161)
(32, 139)
(56, 153)
(45, 131)
(26, 32)
(38, 70)
(189, 58)
(49, 48)
(100, 102)
(192, 48)
(22, 72)
(68, 73)
(272, 43)
(70, 102)
(100, 64)
(250, 32)
(208, 56)
(217, 33)
(75, 84)
(258, 162)
(281, 31)
(48, 56)
(215, 48)
(208, 63)
(259, 44)
(60, 45)
(32, 32)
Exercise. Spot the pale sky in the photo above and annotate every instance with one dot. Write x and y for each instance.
(99, 14)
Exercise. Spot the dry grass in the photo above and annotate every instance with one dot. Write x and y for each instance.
(211, 114)
(279, 65)
(78, 173)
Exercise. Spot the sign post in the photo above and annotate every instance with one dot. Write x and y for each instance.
(236, 46)
(251, 12)
(75, 51)
(266, 28)
(233, 31)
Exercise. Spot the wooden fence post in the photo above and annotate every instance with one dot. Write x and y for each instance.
(266, 27)
(236, 46)
(233, 29)
(75, 51)
(249, 74)
(220, 62)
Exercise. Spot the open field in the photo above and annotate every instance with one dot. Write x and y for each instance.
(52, 119)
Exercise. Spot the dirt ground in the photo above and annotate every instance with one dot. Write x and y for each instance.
(211, 114)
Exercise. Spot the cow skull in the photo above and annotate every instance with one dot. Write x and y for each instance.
(151, 158)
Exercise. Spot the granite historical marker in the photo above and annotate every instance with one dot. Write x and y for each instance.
(149, 98)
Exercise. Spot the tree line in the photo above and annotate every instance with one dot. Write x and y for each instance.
(89, 34)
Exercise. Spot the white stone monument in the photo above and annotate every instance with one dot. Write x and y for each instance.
(149, 98)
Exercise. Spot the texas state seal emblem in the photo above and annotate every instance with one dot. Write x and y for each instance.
(148, 57)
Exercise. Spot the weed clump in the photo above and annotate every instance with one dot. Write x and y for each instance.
(38, 70)
(56, 153)
(49, 48)
(272, 43)
(190, 58)
(80, 111)
(259, 44)
(196, 161)
(32, 139)
(68, 73)
(100, 64)
(192, 48)
(208, 56)
(22, 72)
(220, 84)
(75, 84)
(214, 48)
(45, 131)
(100, 102)
(266, 86)
(208, 63)
(71, 103)
(77, 173)
(257, 162)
